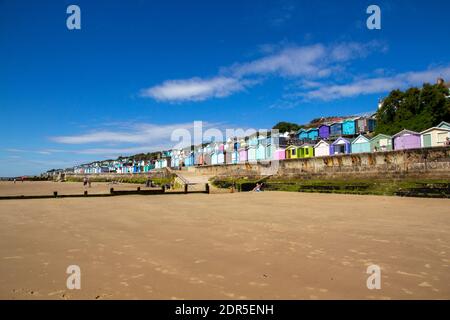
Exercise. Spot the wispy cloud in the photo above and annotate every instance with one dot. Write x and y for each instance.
(195, 89)
(377, 84)
(142, 133)
(306, 62)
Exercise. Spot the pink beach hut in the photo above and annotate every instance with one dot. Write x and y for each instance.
(279, 154)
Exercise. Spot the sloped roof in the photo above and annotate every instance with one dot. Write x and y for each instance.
(435, 128)
(320, 142)
(405, 131)
(360, 136)
(342, 138)
(383, 135)
(443, 123)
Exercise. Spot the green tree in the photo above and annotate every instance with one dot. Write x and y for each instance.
(414, 109)
(287, 126)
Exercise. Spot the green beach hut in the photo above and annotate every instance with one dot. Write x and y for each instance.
(292, 152)
(306, 150)
(381, 142)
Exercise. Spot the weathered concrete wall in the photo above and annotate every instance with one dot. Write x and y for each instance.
(424, 163)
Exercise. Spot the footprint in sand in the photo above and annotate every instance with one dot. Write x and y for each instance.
(425, 284)
(199, 261)
(55, 293)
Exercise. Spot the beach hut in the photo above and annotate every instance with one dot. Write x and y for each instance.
(261, 150)
(306, 150)
(340, 146)
(434, 137)
(444, 125)
(349, 127)
(324, 131)
(189, 158)
(235, 153)
(381, 142)
(292, 152)
(322, 148)
(312, 134)
(302, 134)
(406, 139)
(360, 145)
(336, 129)
(251, 153)
(270, 146)
(243, 154)
(207, 152)
(214, 158)
(279, 154)
(365, 125)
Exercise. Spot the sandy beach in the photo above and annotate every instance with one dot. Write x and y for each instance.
(268, 245)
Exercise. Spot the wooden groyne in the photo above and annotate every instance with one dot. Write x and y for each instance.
(112, 193)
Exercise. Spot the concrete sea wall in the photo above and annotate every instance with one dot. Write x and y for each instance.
(422, 163)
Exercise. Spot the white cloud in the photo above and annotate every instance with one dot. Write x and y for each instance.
(136, 133)
(195, 89)
(377, 85)
(306, 62)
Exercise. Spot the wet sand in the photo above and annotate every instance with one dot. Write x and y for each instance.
(268, 245)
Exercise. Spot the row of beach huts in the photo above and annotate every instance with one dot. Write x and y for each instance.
(353, 135)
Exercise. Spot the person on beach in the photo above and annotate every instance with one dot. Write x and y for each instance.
(14, 180)
(257, 188)
(85, 181)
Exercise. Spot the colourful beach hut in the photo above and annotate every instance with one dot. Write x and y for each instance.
(340, 146)
(360, 145)
(322, 148)
(251, 153)
(279, 154)
(365, 125)
(292, 152)
(444, 125)
(349, 127)
(235, 154)
(434, 137)
(381, 142)
(406, 139)
(306, 150)
(336, 129)
(261, 151)
(312, 134)
(302, 134)
(324, 131)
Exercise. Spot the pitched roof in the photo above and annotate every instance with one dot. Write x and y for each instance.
(443, 123)
(405, 131)
(360, 136)
(320, 142)
(435, 128)
(383, 135)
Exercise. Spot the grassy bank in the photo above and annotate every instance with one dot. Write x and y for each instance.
(401, 187)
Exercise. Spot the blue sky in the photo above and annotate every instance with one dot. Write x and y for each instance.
(137, 70)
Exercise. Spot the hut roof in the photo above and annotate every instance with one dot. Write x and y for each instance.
(405, 131)
(435, 128)
(381, 135)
